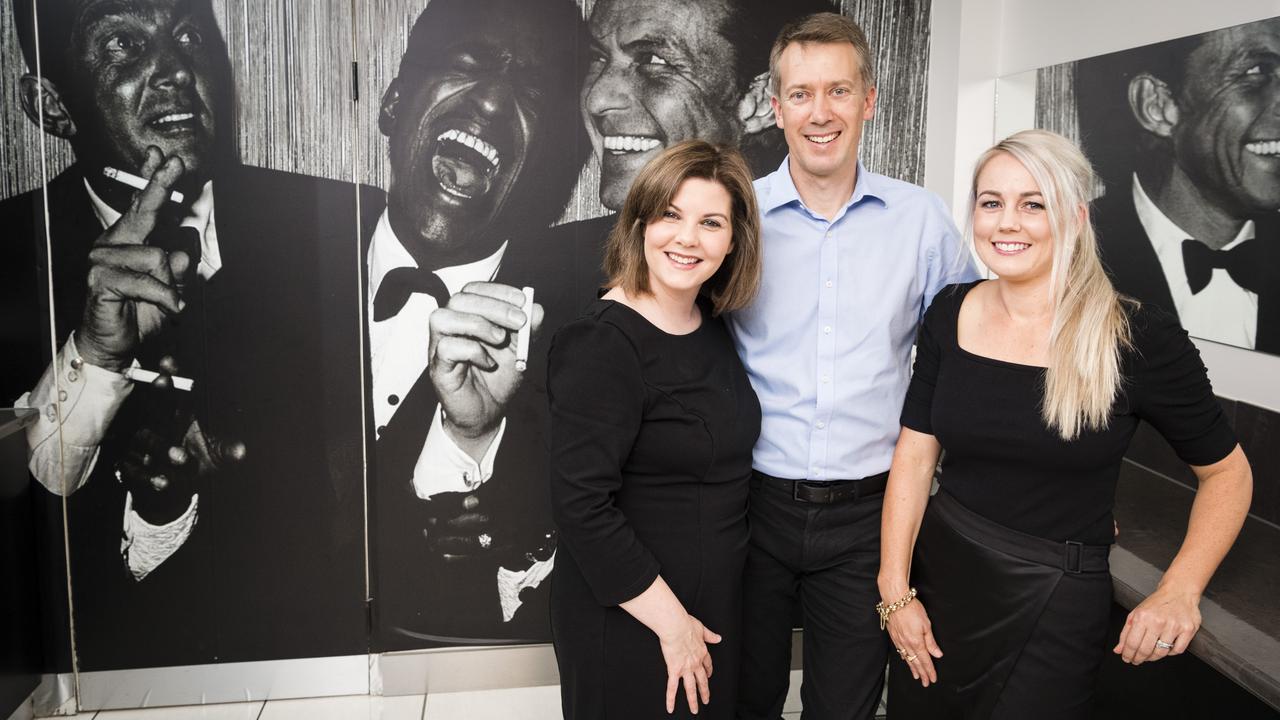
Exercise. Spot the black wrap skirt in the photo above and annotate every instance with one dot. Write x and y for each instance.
(1021, 620)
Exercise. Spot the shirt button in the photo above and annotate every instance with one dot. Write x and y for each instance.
(826, 379)
(73, 376)
(821, 424)
(827, 329)
(381, 428)
(62, 396)
(828, 283)
(393, 399)
(77, 363)
(51, 412)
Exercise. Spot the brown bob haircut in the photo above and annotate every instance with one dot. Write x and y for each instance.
(822, 29)
(734, 284)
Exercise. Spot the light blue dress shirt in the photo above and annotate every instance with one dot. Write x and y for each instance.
(827, 342)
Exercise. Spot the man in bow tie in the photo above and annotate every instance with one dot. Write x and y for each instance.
(217, 520)
(484, 149)
(1189, 219)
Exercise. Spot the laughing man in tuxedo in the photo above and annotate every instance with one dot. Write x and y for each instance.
(484, 148)
(1189, 219)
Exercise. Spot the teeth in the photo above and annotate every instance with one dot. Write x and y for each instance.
(1011, 247)
(630, 143)
(175, 117)
(1264, 147)
(682, 259)
(489, 152)
(823, 139)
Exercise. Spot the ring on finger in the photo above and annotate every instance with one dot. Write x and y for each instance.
(1162, 645)
(909, 658)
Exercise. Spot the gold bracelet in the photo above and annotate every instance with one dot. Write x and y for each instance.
(886, 610)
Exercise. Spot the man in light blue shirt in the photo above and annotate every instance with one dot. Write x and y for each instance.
(851, 261)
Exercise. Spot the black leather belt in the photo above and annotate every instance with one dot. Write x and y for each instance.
(833, 491)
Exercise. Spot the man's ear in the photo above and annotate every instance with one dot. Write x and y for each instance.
(43, 104)
(387, 113)
(1153, 105)
(755, 111)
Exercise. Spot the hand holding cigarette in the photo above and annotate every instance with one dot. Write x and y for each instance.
(476, 357)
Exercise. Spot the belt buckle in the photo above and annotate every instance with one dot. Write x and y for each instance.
(1072, 557)
(813, 493)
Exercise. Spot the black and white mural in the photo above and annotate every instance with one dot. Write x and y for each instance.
(265, 268)
(1185, 135)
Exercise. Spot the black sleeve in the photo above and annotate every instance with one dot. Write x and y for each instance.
(1171, 390)
(596, 394)
(917, 410)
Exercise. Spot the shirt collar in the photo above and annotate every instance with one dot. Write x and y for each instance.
(200, 217)
(782, 188)
(1165, 235)
(386, 253)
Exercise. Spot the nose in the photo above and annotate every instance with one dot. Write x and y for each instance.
(607, 91)
(1009, 220)
(687, 233)
(492, 95)
(820, 112)
(170, 67)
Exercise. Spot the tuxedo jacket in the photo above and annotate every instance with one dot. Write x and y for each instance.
(420, 598)
(1135, 270)
(274, 566)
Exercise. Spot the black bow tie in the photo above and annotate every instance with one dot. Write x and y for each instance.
(399, 284)
(1242, 262)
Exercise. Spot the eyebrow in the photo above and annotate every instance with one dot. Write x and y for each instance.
(653, 43)
(708, 215)
(96, 12)
(1029, 193)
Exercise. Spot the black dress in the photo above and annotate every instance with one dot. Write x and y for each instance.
(1011, 559)
(651, 438)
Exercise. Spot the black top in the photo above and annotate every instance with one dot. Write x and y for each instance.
(1003, 461)
(651, 438)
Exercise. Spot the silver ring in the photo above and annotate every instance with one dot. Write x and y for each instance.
(1163, 645)
(485, 540)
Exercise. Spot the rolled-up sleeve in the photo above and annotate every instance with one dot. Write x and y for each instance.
(596, 396)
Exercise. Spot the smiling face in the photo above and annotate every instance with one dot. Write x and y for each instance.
(141, 73)
(470, 105)
(660, 72)
(821, 106)
(1227, 138)
(1011, 229)
(689, 241)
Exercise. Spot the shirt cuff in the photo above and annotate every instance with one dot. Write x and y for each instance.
(444, 467)
(76, 403)
(145, 546)
(511, 582)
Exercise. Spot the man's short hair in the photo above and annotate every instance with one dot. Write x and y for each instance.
(56, 21)
(734, 284)
(751, 28)
(822, 28)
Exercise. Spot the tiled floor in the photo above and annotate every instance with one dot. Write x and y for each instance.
(536, 703)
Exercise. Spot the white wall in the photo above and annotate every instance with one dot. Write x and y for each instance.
(977, 41)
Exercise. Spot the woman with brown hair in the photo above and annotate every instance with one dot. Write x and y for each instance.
(652, 425)
(1034, 383)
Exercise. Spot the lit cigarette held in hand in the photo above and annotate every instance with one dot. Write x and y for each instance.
(147, 377)
(136, 182)
(522, 337)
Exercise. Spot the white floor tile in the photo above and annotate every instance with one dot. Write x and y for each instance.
(228, 711)
(354, 707)
(535, 703)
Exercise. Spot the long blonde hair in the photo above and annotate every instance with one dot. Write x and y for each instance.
(1090, 326)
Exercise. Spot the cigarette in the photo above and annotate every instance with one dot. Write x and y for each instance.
(522, 337)
(135, 182)
(139, 375)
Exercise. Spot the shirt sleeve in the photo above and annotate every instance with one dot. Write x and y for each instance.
(1171, 390)
(917, 409)
(596, 397)
(76, 403)
(948, 260)
(444, 467)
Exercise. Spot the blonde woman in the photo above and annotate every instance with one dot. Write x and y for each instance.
(1034, 384)
(652, 424)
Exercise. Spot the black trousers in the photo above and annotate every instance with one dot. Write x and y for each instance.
(824, 557)
(1021, 621)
